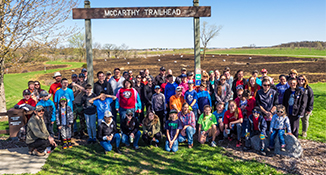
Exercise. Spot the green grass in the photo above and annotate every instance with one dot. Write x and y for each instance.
(302, 52)
(4, 125)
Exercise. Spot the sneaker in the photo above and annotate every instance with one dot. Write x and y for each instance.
(262, 152)
(304, 134)
(65, 146)
(94, 140)
(213, 144)
(230, 139)
(117, 151)
(136, 147)
(245, 148)
(30, 151)
(128, 145)
(35, 152)
(283, 148)
(190, 146)
(69, 145)
(238, 145)
(89, 141)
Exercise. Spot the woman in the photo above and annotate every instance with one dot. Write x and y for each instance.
(222, 91)
(151, 129)
(130, 130)
(303, 84)
(245, 102)
(188, 121)
(281, 87)
(293, 74)
(127, 98)
(233, 122)
(37, 85)
(252, 86)
(238, 82)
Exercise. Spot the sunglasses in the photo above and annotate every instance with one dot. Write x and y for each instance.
(222, 79)
(239, 95)
(41, 110)
(129, 115)
(301, 79)
(256, 112)
(37, 84)
(280, 111)
(266, 85)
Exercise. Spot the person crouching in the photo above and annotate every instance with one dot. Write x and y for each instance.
(130, 130)
(151, 129)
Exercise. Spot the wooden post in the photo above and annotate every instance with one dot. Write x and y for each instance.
(89, 51)
(197, 47)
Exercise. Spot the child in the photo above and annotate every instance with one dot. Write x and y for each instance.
(49, 111)
(207, 126)
(102, 103)
(158, 105)
(219, 114)
(151, 129)
(203, 98)
(65, 118)
(233, 119)
(27, 103)
(108, 133)
(256, 126)
(279, 123)
(173, 127)
(191, 98)
(90, 113)
(130, 130)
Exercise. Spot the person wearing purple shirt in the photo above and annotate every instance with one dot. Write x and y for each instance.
(188, 121)
(281, 87)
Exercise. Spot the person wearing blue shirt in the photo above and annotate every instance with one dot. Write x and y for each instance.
(191, 98)
(66, 92)
(49, 111)
(102, 103)
(281, 87)
(203, 97)
(169, 89)
(219, 114)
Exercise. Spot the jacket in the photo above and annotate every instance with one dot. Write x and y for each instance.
(158, 102)
(106, 130)
(49, 110)
(116, 85)
(132, 128)
(280, 123)
(309, 99)
(137, 100)
(140, 90)
(223, 98)
(106, 87)
(36, 129)
(159, 79)
(262, 125)
(234, 87)
(69, 116)
(151, 127)
(148, 93)
(300, 100)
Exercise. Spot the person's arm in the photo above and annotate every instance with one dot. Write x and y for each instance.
(228, 93)
(193, 103)
(164, 106)
(168, 135)
(303, 104)
(310, 105)
(176, 136)
(136, 129)
(93, 99)
(79, 87)
(210, 100)
(287, 124)
(263, 125)
(138, 102)
(111, 96)
(240, 120)
(53, 118)
(36, 131)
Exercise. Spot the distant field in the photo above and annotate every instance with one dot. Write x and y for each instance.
(302, 52)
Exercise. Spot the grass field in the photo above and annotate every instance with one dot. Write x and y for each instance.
(302, 52)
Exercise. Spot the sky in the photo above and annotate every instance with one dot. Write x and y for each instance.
(259, 22)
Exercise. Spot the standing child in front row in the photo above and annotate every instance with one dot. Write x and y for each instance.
(65, 118)
(173, 127)
(279, 123)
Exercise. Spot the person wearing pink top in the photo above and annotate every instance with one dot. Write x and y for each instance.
(184, 83)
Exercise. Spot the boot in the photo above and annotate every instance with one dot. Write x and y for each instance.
(64, 146)
(69, 143)
(117, 150)
(35, 152)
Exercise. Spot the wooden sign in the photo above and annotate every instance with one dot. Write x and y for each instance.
(141, 12)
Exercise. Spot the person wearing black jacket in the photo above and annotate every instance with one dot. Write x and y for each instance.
(294, 101)
(238, 82)
(256, 126)
(140, 89)
(159, 79)
(148, 93)
(303, 85)
(130, 130)
(102, 85)
(107, 134)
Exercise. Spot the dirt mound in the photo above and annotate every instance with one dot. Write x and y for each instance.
(31, 67)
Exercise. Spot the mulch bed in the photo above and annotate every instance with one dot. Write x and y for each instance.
(312, 162)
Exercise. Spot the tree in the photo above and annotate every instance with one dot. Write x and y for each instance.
(97, 48)
(77, 41)
(109, 48)
(30, 21)
(208, 32)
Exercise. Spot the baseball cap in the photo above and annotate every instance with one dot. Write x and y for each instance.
(256, 108)
(227, 69)
(173, 111)
(108, 114)
(44, 93)
(108, 73)
(189, 73)
(83, 70)
(81, 75)
(129, 111)
(162, 69)
(183, 75)
(57, 74)
(63, 98)
(26, 92)
(179, 88)
(39, 108)
(74, 76)
(263, 71)
(183, 69)
(157, 87)
(203, 84)
(191, 82)
(255, 71)
(210, 72)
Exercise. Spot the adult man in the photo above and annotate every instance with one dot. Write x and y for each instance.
(171, 73)
(56, 85)
(148, 93)
(65, 91)
(37, 137)
(74, 79)
(267, 100)
(140, 89)
(178, 79)
(177, 100)
(131, 77)
(159, 79)
(116, 83)
(84, 71)
(294, 101)
(102, 85)
(264, 74)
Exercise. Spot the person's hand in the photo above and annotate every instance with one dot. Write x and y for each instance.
(117, 110)
(170, 144)
(167, 105)
(183, 132)
(114, 98)
(308, 112)
(153, 139)
(69, 126)
(289, 133)
(59, 127)
(132, 135)
(52, 123)
(73, 84)
(220, 120)
(230, 125)
(271, 132)
(109, 138)
(138, 111)
(223, 103)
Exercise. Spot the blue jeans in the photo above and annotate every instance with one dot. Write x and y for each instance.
(125, 139)
(122, 112)
(91, 125)
(190, 131)
(174, 146)
(280, 133)
(235, 127)
(195, 111)
(107, 144)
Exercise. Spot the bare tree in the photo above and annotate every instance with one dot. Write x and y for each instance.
(36, 21)
(109, 48)
(77, 41)
(97, 47)
(208, 32)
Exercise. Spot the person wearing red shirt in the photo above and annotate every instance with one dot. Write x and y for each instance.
(232, 122)
(238, 83)
(252, 86)
(245, 102)
(164, 84)
(56, 85)
(27, 103)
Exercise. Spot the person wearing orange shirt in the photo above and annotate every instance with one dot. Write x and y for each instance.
(177, 100)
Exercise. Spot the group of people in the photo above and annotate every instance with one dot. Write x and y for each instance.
(222, 107)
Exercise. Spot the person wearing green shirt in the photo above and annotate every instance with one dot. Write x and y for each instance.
(207, 126)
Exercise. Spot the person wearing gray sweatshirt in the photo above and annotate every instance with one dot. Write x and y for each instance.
(222, 91)
(116, 83)
(158, 105)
